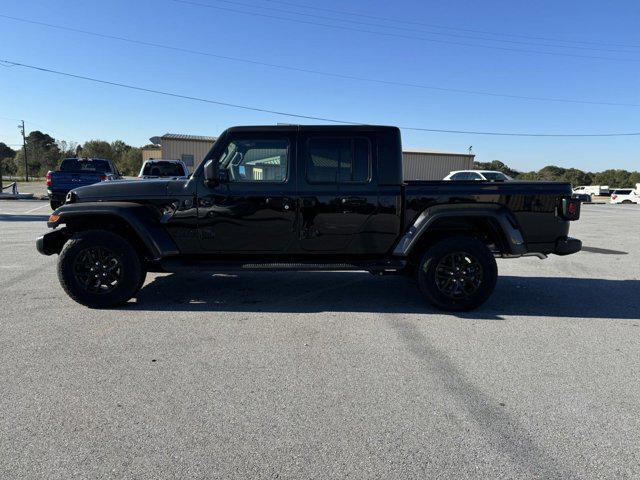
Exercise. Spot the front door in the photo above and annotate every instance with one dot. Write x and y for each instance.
(254, 208)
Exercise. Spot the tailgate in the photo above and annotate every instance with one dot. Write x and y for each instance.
(71, 180)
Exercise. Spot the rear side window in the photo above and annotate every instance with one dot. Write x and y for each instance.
(497, 176)
(80, 165)
(622, 192)
(338, 160)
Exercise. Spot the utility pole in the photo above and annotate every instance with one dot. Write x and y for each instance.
(24, 145)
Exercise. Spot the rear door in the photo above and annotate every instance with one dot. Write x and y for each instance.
(337, 192)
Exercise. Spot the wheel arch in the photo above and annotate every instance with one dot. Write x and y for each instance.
(493, 224)
(137, 223)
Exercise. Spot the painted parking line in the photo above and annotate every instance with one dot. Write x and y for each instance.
(37, 208)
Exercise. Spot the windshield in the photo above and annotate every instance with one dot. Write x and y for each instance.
(84, 165)
(163, 169)
(496, 176)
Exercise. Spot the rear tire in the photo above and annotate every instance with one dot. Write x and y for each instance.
(627, 202)
(457, 274)
(100, 269)
(54, 204)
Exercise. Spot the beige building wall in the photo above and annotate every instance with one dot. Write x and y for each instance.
(150, 153)
(423, 165)
(178, 149)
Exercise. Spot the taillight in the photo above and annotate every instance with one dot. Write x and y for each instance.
(103, 178)
(48, 178)
(570, 208)
(613, 197)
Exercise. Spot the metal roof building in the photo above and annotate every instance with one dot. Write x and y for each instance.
(417, 164)
(191, 149)
(427, 165)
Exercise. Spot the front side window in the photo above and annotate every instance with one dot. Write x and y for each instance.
(462, 176)
(338, 160)
(256, 160)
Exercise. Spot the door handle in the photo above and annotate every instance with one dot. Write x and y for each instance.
(353, 201)
(284, 203)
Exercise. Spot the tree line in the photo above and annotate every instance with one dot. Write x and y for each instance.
(613, 177)
(45, 153)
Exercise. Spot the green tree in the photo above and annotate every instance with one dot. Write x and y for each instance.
(577, 177)
(98, 149)
(528, 176)
(43, 154)
(551, 173)
(131, 161)
(7, 166)
(614, 178)
(496, 165)
(67, 149)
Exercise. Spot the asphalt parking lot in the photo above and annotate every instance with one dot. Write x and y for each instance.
(325, 375)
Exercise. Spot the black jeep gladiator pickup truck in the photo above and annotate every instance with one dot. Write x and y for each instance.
(306, 198)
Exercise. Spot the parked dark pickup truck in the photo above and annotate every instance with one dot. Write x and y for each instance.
(306, 198)
(78, 172)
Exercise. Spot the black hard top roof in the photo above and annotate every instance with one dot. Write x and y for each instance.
(312, 128)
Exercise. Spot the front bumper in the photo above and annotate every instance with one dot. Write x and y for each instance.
(567, 246)
(52, 242)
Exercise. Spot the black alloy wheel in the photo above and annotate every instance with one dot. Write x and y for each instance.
(100, 269)
(457, 273)
(97, 270)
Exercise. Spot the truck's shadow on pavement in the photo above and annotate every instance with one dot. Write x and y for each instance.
(361, 292)
(23, 218)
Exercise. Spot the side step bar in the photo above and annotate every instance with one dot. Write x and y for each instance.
(377, 268)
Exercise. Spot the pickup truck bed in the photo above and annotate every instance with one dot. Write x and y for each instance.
(533, 205)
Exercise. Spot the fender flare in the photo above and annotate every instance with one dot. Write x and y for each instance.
(138, 217)
(500, 215)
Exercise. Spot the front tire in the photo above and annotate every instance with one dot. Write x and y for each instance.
(457, 274)
(100, 269)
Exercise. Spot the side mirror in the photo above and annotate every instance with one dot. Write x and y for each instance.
(211, 174)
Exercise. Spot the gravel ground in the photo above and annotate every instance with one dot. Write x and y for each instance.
(325, 375)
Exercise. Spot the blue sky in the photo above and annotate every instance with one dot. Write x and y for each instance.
(410, 53)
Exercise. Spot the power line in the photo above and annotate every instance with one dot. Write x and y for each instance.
(33, 123)
(304, 116)
(447, 27)
(407, 29)
(399, 35)
(317, 72)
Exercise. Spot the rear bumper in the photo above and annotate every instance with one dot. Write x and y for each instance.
(567, 246)
(58, 195)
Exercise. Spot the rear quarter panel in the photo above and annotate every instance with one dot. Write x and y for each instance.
(533, 204)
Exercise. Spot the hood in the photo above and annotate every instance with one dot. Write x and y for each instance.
(122, 190)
